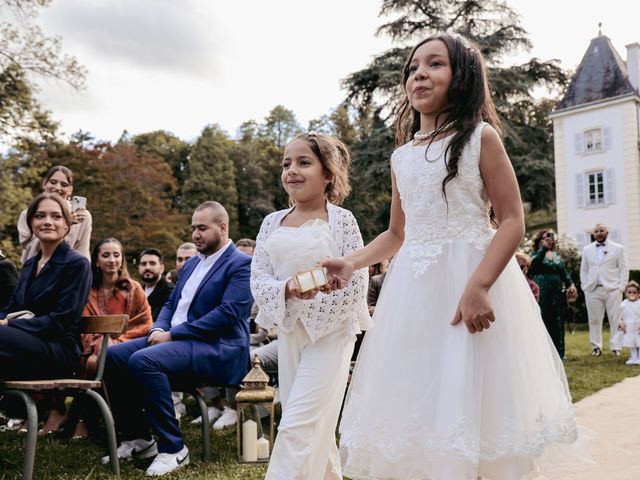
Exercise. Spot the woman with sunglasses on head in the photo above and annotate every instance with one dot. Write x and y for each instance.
(549, 272)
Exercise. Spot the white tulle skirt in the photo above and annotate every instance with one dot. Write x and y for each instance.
(430, 401)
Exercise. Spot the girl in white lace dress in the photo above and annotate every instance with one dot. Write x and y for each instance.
(630, 325)
(458, 378)
(317, 330)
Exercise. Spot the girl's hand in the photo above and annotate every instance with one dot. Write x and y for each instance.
(622, 327)
(474, 309)
(339, 271)
(78, 216)
(291, 291)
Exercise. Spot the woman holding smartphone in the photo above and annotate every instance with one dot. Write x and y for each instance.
(59, 180)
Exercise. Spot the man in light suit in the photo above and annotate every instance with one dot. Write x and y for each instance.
(603, 274)
(201, 333)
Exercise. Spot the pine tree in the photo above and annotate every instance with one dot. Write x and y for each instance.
(211, 174)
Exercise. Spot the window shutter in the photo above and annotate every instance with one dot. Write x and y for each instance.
(580, 190)
(578, 143)
(606, 138)
(609, 186)
(614, 235)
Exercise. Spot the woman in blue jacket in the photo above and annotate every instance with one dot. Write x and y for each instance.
(44, 340)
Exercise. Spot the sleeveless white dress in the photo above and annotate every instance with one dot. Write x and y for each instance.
(429, 400)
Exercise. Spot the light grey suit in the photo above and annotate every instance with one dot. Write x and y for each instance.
(603, 275)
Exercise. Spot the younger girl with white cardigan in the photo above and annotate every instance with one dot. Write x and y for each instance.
(317, 329)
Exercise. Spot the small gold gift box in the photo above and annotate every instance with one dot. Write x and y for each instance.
(310, 279)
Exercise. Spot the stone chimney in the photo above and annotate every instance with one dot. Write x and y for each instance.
(633, 65)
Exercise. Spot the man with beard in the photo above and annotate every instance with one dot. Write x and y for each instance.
(201, 335)
(603, 277)
(156, 288)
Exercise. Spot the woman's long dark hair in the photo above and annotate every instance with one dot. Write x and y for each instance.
(468, 101)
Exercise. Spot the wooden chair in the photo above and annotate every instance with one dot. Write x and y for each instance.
(104, 324)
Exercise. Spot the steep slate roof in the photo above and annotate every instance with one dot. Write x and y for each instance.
(601, 74)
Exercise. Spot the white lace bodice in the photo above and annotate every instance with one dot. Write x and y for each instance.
(430, 220)
(281, 251)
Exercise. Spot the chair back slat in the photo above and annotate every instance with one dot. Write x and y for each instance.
(107, 324)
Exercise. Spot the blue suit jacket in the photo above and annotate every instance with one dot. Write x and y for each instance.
(57, 297)
(217, 319)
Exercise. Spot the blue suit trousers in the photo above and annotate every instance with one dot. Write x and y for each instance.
(138, 378)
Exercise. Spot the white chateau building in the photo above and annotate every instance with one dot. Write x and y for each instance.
(596, 142)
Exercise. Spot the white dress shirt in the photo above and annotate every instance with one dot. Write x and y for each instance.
(193, 282)
(601, 251)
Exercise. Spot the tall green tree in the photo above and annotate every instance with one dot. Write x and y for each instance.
(495, 27)
(172, 149)
(26, 54)
(257, 164)
(281, 125)
(212, 174)
(370, 198)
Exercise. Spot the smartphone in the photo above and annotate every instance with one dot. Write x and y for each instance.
(78, 202)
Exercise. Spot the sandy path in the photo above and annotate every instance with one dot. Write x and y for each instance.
(614, 414)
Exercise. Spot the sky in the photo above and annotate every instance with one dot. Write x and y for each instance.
(180, 65)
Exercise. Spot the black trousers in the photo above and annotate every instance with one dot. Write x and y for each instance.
(24, 356)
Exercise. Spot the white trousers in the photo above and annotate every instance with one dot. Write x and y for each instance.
(312, 379)
(597, 301)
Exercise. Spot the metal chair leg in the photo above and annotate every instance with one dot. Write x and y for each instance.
(32, 432)
(206, 435)
(111, 431)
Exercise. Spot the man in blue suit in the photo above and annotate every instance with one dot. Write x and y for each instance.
(201, 333)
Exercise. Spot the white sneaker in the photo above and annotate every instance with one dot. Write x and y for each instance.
(180, 410)
(168, 462)
(631, 361)
(229, 417)
(138, 448)
(212, 412)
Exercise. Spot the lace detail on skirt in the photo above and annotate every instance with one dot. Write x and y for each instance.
(417, 438)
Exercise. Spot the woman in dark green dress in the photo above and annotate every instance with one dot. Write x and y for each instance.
(548, 271)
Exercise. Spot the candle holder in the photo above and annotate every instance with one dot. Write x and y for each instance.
(255, 392)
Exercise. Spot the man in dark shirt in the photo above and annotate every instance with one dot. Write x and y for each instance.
(156, 288)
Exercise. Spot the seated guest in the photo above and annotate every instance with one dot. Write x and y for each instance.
(524, 261)
(201, 334)
(246, 245)
(156, 288)
(171, 277)
(221, 415)
(377, 273)
(113, 292)
(8, 279)
(184, 253)
(40, 328)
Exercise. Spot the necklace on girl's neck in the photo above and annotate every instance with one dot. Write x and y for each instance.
(420, 135)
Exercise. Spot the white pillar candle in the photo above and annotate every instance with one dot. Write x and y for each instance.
(250, 441)
(263, 448)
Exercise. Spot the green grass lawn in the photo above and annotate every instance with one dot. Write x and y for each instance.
(58, 459)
